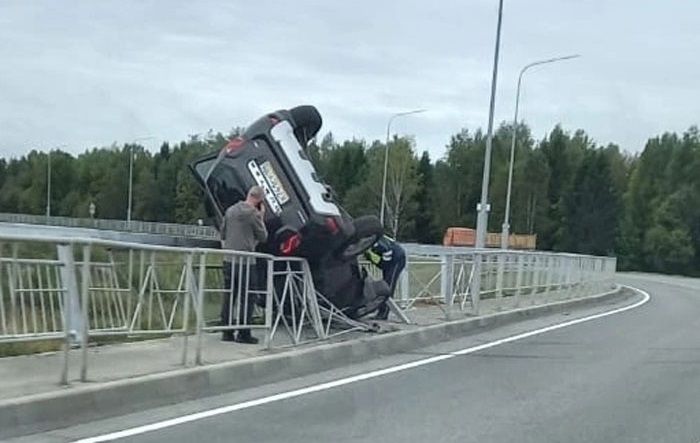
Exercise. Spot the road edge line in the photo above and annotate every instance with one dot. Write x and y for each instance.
(137, 430)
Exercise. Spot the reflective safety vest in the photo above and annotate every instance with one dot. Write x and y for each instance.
(381, 251)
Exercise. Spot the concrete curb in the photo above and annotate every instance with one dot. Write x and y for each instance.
(41, 412)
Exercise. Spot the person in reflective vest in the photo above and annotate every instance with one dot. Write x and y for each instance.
(390, 257)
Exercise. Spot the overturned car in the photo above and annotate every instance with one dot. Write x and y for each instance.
(303, 218)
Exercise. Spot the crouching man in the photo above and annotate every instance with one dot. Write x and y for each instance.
(390, 257)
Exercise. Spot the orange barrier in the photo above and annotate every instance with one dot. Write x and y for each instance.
(467, 237)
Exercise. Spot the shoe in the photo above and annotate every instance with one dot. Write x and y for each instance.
(228, 336)
(247, 339)
(382, 313)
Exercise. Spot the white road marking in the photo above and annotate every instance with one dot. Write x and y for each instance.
(348, 380)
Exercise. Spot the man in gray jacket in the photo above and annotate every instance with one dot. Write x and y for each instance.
(242, 228)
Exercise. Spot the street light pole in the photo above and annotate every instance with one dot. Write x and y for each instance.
(386, 157)
(483, 206)
(131, 174)
(506, 218)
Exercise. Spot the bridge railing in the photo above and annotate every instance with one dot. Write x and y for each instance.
(80, 290)
(464, 277)
(142, 227)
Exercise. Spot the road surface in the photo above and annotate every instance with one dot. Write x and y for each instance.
(633, 376)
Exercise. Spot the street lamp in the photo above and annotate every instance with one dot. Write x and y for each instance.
(386, 156)
(48, 180)
(506, 218)
(131, 173)
(483, 207)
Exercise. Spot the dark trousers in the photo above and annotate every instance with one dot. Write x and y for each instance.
(390, 274)
(241, 281)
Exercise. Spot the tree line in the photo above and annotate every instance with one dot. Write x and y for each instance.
(575, 194)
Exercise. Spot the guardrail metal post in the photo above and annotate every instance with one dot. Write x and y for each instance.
(268, 303)
(578, 270)
(447, 281)
(85, 289)
(72, 295)
(404, 282)
(519, 263)
(561, 281)
(499, 276)
(534, 264)
(67, 314)
(475, 289)
(130, 280)
(187, 294)
(200, 306)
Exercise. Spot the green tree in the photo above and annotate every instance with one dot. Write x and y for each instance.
(425, 230)
(591, 207)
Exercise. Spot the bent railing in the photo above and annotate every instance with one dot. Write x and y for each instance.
(81, 289)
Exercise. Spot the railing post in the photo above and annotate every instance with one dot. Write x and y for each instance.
(188, 293)
(200, 306)
(499, 275)
(404, 284)
(475, 289)
(85, 289)
(67, 321)
(579, 276)
(533, 274)
(72, 295)
(547, 268)
(269, 288)
(447, 281)
(519, 263)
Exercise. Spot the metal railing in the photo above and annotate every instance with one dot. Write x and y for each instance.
(448, 275)
(81, 289)
(142, 227)
(78, 289)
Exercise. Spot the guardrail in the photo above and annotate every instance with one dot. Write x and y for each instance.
(81, 289)
(463, 277)
(78, 289)
(142, 227)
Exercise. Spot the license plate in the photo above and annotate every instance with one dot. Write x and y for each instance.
(275, 194)
(275, 184)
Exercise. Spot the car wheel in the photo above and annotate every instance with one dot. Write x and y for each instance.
(368, 229)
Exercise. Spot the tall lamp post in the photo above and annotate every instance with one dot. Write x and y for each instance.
(506, 218)
(483, 207)
(386, 156)
(131, 173)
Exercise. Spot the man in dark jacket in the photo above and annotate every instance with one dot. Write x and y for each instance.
(243, 227)
(390, 257)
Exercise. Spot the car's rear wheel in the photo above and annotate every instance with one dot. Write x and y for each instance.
(368, 229)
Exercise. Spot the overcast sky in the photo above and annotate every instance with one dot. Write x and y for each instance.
(88, 73)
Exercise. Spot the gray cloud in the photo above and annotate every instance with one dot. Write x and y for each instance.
(89, 73)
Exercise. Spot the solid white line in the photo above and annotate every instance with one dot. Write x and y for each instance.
(348, 380)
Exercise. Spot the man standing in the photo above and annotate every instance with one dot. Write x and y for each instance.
(243, 227)
(389, 256)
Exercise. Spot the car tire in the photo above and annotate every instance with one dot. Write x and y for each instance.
(368, 229)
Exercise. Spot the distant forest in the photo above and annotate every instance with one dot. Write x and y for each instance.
(575, 195)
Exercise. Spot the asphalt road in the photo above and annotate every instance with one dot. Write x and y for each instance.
(628, 377)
